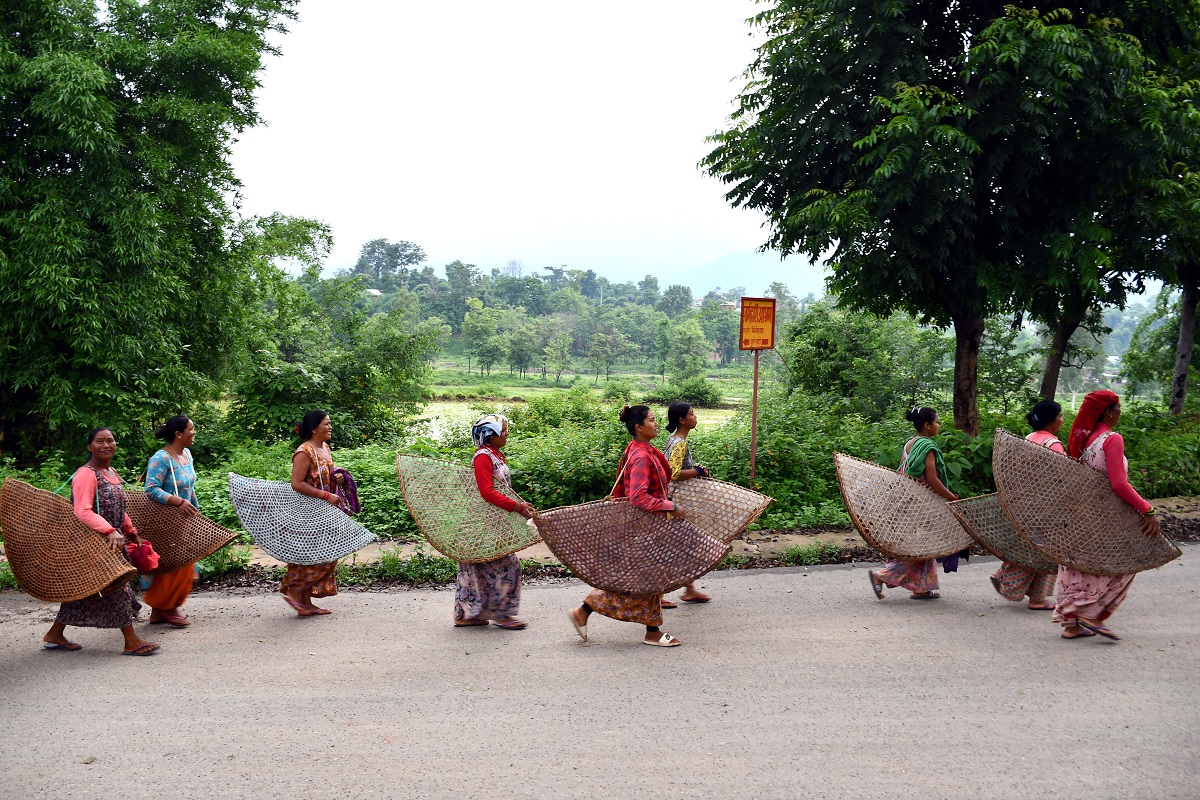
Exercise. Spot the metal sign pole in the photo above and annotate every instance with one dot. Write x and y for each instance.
(754, 418)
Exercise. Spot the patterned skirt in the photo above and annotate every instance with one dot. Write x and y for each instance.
(491, 590)
(1017, 582)
(644, 609)
(1093, 597)
(116, 610)
(918, 577)
(317, 579)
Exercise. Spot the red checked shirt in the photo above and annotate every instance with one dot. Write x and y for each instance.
(645, 477)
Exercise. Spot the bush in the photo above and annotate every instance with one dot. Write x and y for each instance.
(619, 389)
(230, 558)
(697, 391)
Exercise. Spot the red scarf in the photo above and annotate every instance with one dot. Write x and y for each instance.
(1093, 407)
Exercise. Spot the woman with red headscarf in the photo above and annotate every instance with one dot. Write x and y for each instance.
(1086, 601)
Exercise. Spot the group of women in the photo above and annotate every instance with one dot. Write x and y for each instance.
(489, 593)
(1083, 602)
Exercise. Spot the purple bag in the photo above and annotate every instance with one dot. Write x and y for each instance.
(347, 491)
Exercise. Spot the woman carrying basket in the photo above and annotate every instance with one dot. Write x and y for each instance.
(921, 460)
(312, 475)
(1086, 601)
(643, 478)
(681, 420)
(491, 591)
(99, 503)
(1011, 582)
(171, 481)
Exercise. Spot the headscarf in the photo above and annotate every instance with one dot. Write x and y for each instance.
(1093, 407)
(487, 427)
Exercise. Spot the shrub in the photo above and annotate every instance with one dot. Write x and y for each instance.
(697, 391)
(619, 389)
(230, 558)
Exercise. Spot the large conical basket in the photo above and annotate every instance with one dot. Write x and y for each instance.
(611, 545)
(722, 510)
(444, 499)
(1069, 512)
(53, 555)
(984, 518)
(179, 540)
(292, 527)
(897, 515)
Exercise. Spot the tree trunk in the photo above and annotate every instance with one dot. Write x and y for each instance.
(1054, 360)
(1183, 351)
(968, 331)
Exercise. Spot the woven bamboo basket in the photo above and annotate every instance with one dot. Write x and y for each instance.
(896, 514)
(444, 499)
(292, 527)
(1069, 512)
(179, 541)
(984, 518)
(722, 510)
(54, 556)
(611, 545)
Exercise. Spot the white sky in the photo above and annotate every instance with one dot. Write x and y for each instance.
(547, 132)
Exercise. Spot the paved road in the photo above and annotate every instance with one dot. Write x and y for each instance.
(790, 684)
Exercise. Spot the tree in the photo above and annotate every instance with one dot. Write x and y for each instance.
(125, 294)
(479, 326)
(603, 351)
(558, 354)
(944, 154)
(722, 329)
(676, 300)
(1004, 371)
(648, 291)
(787, 307)
(462, 284)
(385, 265)
(522, 346)
(688, 354)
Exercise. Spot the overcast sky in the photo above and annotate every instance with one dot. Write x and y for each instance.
(546, 132)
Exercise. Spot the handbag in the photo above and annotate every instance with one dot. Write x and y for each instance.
(142, 556)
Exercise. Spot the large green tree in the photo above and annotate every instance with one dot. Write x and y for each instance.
(942, 154)
(124, 297)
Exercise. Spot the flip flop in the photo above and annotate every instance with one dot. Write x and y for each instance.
(70, 647)
(1097, 628)
(176, 620)
(469, 623)
(876, 586)
(301, 611)
(996, 585)
(141, 650)
(665, 603)
(1082, 635)
(926, 596)
(580, 629)
(1040, 608)
(666, 640)
(699, 598)
(512, 624)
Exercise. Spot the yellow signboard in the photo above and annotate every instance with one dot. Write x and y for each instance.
(758, 323)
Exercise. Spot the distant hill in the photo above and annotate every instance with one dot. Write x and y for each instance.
(755, 271)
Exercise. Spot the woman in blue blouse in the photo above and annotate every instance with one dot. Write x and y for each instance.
(171, 480)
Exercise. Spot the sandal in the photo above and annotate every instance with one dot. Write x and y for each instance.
(469, 623)
(301, 610)
(1096, 627)
(698, 597)
(1083, 634)
(1042, 607)
(876, 586)
(510, 624)
(665, 603)
(666, 640)
(70, 647)
(580, 629)
(925, 596)
(176, 620)
(144, 649)
(996, 585)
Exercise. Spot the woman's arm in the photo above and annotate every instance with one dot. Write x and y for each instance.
(83, 489)
(931, 477)
(300, 464)
(485, 480)
(1118, 478)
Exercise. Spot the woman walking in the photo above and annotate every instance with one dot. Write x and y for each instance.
(1085, 601)
(99, 503)
(491, 591)
(642, 477)
(681, 420)
(312, 475)
(1015, 583)
(171, 481)
(921, 460)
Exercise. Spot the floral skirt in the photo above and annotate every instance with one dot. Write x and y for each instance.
(1093, 597)
(490, 590)
(115, 610)
(317, 579)
(918, 577)
(645, 609)
(1017, 582)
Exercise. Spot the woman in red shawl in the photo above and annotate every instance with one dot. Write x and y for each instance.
(643, 478)
(1086, 601)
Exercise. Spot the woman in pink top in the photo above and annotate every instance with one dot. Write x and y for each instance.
(1010, 581)
(99, 503)
(1086, 601)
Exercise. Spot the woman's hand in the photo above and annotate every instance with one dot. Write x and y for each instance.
(333, 499)
(701, 472)
(677, 512)
(1150, 524)
(186, 508)
(339, 478)
(115, 541)
(525, 510)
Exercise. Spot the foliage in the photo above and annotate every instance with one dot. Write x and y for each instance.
(697, 391)
(1149, 361)
(230, 558)
(809, 555)
(689, 350)
(7, 579)
(1005, 370)
(126, 294)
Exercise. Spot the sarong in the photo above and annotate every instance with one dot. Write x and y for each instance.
(1093, 597)
(318, 579)
(918, 577)
(645, 609)
(488, 589)
(115, 610)
(1017, 582)
(169, 590)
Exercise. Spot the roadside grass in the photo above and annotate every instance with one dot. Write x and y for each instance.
(7, 581)
(809, 555)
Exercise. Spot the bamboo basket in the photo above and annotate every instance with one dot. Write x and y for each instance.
(611, 545)
(984, 519)
(720, 509)
(444, 499)
(897, 515)
(179, 541)
(54, 556)
(1069, 512)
